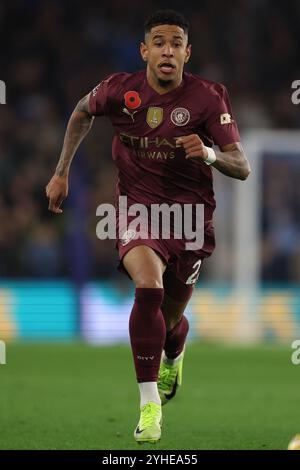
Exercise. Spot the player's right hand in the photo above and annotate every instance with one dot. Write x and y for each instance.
(57, 191)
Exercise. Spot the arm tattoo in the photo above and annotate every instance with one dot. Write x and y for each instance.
(232, 162)
(78, 126)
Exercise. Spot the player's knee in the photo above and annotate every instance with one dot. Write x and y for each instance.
(171, 322)
(149, 282)
(172, 314)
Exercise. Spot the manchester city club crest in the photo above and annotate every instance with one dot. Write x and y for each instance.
(128, 236)
(180, 116)
(154, 116)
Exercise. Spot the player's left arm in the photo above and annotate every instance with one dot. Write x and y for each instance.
(231, 160)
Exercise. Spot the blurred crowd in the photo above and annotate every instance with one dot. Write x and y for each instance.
(280, 225)
(55, 52)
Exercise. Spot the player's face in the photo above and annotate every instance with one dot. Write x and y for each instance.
(166, 50)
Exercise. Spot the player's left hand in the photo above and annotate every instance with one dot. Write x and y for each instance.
(193, 146)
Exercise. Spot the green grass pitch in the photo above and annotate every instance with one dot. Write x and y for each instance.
(75, 396)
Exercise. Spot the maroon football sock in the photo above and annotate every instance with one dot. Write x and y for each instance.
(175, 338)
(147, 331)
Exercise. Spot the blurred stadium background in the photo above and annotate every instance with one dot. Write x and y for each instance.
(59, 283)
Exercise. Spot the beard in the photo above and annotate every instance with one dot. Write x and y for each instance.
(164, 83)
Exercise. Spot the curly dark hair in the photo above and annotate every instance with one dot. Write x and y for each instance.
(166, 17)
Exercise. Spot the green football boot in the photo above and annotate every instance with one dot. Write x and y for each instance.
(149, 427)
(169, 379)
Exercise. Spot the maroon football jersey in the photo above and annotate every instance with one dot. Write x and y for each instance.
(152, 169)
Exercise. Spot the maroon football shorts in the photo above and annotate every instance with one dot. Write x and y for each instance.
(183, 264)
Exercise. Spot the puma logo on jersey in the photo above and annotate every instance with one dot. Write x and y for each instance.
(125, 110)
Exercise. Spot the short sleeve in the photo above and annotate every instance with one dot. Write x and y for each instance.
(220, 123)
(98, 100)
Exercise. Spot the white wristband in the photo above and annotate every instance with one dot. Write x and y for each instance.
(211, 157)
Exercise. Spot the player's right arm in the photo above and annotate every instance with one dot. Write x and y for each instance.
(79, 125)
